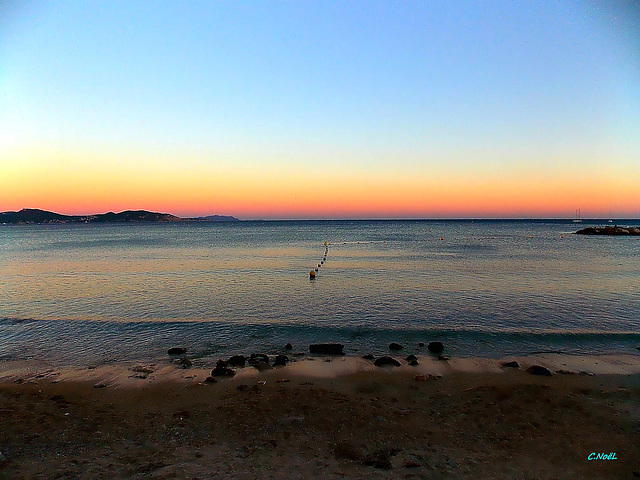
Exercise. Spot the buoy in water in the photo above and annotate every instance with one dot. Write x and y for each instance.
(441, 238)
(312, 274)
(319, 265)
(316, 269)
(325, 243)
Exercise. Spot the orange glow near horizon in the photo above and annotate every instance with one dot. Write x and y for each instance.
(70, 185)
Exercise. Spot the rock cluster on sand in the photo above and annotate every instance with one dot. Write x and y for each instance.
(412, 360)
(609, 230)
(260, 361)
(222, 370)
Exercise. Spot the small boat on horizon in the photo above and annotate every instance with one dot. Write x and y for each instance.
(577, 219)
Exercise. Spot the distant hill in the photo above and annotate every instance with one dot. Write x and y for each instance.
(34, 215)
(218, 218)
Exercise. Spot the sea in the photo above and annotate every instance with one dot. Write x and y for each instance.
(91, 294)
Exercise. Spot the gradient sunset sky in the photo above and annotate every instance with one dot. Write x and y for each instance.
(295, 109)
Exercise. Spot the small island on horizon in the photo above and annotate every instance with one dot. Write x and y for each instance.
(37, 216)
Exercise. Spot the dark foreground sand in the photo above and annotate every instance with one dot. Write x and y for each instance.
(477, 421)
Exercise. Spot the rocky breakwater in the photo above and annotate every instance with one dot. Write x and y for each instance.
(609, 230)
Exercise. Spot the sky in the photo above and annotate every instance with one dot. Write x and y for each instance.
(297, 109)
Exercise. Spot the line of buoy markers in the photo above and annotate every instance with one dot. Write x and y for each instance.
(312, 273)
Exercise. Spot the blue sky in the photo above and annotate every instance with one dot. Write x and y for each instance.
(427, 88)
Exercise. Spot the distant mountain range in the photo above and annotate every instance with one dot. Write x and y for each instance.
(34, 215)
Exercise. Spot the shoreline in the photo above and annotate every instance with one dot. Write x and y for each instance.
(343, 418)
(137, 374)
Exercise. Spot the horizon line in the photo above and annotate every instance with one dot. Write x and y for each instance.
(294, 219)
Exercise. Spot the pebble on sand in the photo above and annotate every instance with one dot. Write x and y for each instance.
(426, 377)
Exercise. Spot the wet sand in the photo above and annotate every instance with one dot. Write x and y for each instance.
(316, 419)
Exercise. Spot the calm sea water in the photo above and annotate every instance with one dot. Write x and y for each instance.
(76, 294)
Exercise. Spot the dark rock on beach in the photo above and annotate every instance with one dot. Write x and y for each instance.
(414, 363)
(237, 361)
(421, 344)
(210, 380)
(177, 351)
(513, 364)
(260, 361)
(280, 360)
(369, 357)
(539, 370)
(222, 372)
(411, 358)
(443, 358)
(288, 346)
(386, 361)
(327, 348)
(258, 358)
(395, 346)
(435, 347)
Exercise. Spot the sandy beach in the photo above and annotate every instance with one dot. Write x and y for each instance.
(335, 417)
